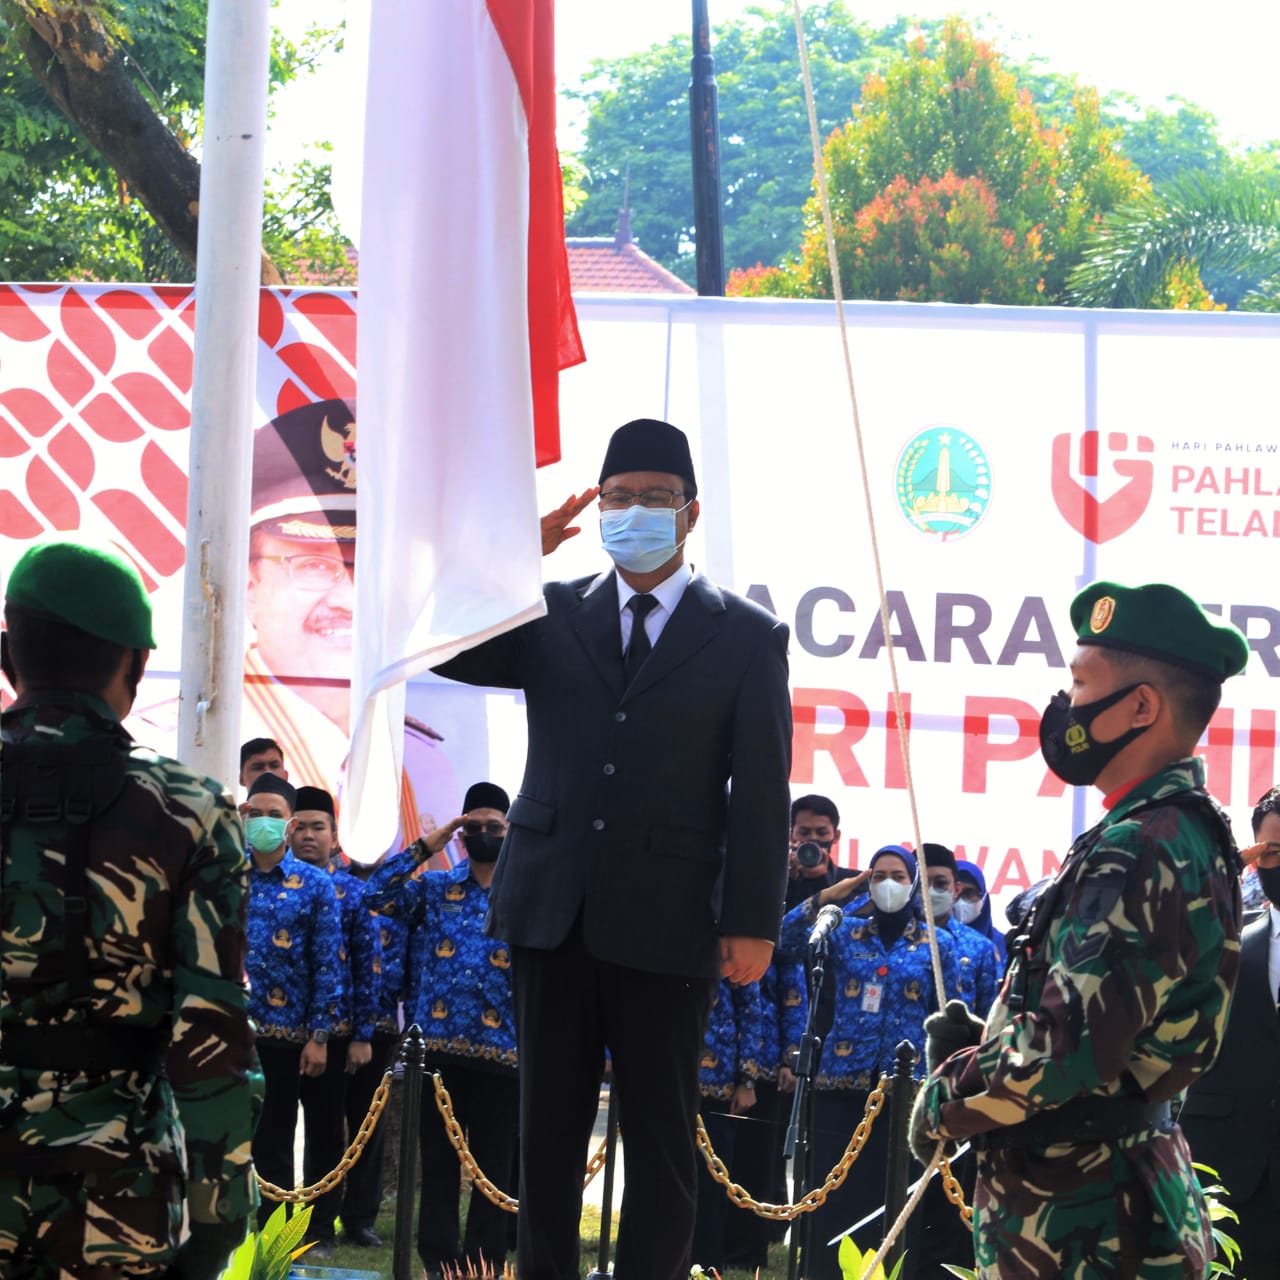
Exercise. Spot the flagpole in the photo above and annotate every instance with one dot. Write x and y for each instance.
(228, 271)
(704, 113)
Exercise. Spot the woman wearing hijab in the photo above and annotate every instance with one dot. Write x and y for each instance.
(973, 906)
(878, 991)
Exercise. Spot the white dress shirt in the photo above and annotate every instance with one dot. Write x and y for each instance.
(667, 593)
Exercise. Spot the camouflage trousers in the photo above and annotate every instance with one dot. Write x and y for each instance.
(89, 1226)
(1127, 1210)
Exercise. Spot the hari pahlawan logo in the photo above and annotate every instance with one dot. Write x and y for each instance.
(1101, 519)
(943, 482)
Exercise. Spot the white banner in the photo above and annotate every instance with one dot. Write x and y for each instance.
(1013, 455)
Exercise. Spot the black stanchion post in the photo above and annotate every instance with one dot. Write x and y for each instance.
(606, 1207)
(413, 1055)
(901, 1096)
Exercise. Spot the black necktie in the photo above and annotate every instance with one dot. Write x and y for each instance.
(639, 648)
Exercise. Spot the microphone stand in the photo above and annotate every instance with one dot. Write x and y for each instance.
(797, 1147)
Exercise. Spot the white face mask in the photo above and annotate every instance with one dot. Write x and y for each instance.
(940, 903)
(967, 912)
(890, 895)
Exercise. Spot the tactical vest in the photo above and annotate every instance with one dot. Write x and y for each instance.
(47, 784)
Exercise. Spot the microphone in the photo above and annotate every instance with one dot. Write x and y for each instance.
(828, 921)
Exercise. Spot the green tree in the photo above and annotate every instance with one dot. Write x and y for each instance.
(638, 124)
(1225, 227)
(948, 108)
(100, 112)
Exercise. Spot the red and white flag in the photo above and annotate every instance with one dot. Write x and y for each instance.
(465, 320)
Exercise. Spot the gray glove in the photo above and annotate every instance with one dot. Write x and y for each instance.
(923, 1144)
(954, 1028)
(206, 1254)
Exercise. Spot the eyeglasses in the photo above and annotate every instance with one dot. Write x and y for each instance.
(484, 828)
(654, 499)
(312, 572)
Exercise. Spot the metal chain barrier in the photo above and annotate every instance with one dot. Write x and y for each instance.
(788, 1212)
(954, 1191)
(458, 1140)
(304, 1195)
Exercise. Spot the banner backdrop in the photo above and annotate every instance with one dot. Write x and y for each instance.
(1012, 456)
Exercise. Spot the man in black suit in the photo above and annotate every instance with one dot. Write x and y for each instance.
(1231, 1117)
(632, 875)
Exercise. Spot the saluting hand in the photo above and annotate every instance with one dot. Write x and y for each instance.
(438, 837)
(844, 889)
(558, 526)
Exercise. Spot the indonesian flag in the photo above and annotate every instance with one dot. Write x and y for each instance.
(465, 322)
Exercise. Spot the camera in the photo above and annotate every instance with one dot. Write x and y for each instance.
(810, 854)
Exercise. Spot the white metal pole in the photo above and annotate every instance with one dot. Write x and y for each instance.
(229, 253)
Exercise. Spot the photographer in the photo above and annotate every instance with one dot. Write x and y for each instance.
(815, 831)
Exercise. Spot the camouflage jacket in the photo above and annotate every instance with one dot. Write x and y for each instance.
(1131, 988)
(166, 945)
(1127, 992)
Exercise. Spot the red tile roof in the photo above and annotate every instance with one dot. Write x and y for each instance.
(598, 264)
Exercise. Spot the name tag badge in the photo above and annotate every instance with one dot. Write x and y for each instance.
(871, 994)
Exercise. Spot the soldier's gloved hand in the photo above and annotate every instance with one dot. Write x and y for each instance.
(954, 1028)
(206, 1254)
(923, 1143)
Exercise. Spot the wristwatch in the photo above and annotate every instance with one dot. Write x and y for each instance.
(319, 1037)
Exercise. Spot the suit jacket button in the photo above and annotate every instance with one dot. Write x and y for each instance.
(609, 771)
(619, 716)
(597, 824)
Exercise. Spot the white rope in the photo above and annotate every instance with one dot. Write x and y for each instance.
(890, 650)
(907, 1210)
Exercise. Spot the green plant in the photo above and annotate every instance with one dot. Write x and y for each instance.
(270, 1253)
(853, 1262)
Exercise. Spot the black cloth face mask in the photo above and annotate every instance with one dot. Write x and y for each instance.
(1269, 879)
(1066, 744)
(482, 847)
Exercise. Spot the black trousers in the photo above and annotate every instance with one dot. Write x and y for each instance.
(362, 1197)
(836, 1113)
(1258, 1231)
(273, 1138)
(760, 1167)
(569, 1006)
(324, 1137)
(487, 1105)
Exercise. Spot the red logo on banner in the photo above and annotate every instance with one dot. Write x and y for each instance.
(1092, 518)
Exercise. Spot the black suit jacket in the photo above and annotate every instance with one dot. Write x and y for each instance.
(625, 812)
(1231, 1116)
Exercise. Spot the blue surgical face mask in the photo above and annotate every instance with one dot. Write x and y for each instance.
(640, 538)
(265, 834)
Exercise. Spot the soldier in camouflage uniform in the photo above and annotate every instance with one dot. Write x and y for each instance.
(1118, 988)
(127, 1072)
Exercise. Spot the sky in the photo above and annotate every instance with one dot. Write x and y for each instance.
(1221, 57)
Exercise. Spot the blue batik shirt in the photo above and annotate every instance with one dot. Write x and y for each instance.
(357, 1012)
(783, 1009)
(732, 1041)
(881, 996)
(294, 948)
(458, 988)
(393, 948)
(977, 966)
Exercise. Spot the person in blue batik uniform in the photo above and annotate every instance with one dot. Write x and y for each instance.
(460, 995)
(977, 963)
(973, 907)
(312, 839)
(295, 974)
(879, 989)
(727, 1074)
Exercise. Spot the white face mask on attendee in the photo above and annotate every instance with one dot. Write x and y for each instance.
(890, 895)
(941, 902)
(966, 910)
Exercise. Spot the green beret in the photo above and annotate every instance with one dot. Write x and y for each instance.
(89, 585)
(1161, 622)
(304, 473)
